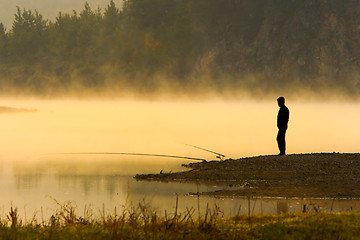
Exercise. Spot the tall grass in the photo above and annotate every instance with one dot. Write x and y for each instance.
(140, 221)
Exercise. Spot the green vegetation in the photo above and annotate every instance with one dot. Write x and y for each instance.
(261, 46)
(141, 223)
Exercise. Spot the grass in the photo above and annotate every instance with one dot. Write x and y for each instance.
(140, 222)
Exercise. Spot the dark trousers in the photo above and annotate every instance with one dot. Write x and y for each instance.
(281, 140)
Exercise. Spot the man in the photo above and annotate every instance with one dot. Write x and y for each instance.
(282, 124)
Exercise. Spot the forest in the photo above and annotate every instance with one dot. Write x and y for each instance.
(190, 46)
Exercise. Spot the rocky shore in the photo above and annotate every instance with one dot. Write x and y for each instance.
(316, 175)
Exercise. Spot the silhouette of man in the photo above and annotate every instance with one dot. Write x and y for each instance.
(282, 124)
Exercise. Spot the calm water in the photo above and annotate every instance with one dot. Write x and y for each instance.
(33, 171)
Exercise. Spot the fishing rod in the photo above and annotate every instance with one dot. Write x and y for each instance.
(218, 155)
(136, 154)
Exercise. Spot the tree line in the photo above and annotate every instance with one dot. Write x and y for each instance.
(185, 44)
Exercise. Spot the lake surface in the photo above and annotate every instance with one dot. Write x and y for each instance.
(34, 171)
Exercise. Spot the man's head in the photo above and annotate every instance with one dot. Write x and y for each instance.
(281, 101)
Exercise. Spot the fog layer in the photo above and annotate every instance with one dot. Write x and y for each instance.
(233, 128)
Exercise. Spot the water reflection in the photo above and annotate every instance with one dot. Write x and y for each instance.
(32, 188)
(27, 181)
(107, 185)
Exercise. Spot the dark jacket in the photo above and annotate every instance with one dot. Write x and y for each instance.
(283, 117)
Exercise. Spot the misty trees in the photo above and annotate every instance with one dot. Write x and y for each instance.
(3, 42)
(111, 19)
(273, 42)
(28, 37)
(64, 33)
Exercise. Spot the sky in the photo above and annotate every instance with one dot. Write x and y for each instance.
(48, 8)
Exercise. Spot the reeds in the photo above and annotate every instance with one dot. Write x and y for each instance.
(140, 221)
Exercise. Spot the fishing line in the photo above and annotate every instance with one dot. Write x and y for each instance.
(219, 155)
(135, 154)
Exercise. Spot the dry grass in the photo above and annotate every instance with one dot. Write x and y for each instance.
(141, 222)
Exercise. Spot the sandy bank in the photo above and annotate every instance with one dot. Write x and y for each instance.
(317, 175)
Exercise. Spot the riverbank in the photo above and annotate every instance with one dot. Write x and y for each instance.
(316, 175)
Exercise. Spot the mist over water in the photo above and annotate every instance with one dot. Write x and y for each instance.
(33, 168)
(234, 128)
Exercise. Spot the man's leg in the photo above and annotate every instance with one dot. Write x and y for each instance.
(281, 141)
